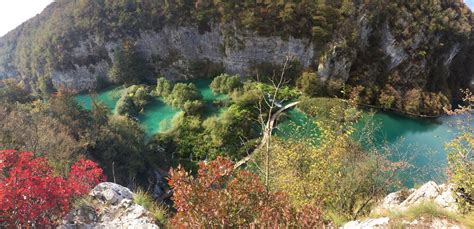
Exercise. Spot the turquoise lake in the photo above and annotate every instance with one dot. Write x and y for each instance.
(421, 141)
(158, 115)
(418, 141)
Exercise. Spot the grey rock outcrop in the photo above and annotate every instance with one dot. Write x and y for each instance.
(442, 195)
(81, 77)
(111, 206)
(336, 63)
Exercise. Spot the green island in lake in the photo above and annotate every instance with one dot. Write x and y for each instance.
(421, 140)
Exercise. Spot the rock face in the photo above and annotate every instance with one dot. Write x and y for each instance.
(184, 46)
(177, 51)
(112, 207)
(442, 195)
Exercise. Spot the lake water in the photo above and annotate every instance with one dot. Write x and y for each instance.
(108, 97)
(158, 115)
(420, 140)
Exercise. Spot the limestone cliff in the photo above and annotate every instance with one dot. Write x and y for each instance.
(390, 47)
(175, 52)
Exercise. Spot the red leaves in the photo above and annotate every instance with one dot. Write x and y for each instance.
(220, 196)
(84, 176)
(30, 194)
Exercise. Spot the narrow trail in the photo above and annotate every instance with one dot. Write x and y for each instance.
(267, 132)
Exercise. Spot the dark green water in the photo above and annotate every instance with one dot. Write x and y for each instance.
(419, 141)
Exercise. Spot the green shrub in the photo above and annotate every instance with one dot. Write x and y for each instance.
(225, 83)
(133, 101)
(460, 158)
(128, 66)
(185, 96)
(309, 84)
(192, 107)
(163, 87)
(125, 106)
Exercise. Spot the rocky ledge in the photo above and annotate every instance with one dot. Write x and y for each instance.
(400, 201)
(110, 206)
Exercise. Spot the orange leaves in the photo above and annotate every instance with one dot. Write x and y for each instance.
(220, 196)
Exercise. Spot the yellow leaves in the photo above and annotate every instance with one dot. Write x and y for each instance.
(303, 171)
(460, 150)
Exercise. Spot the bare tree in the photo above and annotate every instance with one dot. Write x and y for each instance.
(267, 117)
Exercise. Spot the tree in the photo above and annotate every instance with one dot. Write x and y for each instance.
(433, 103)
(163, 87)
(412, 99)
(183, 93)
(226, 133)
(225, 83)
(461, 155)
(42, 128)
(186, 135)
(133, 101)
(192, 107)
(220, 195)
(125, 106)
(30, 193)
(309, 84)
(389, 97)
(128, 66)
(340, 173)
(12, 91)
(120, 149)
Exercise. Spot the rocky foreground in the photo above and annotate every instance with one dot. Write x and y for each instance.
(401, 201)
(111, 206)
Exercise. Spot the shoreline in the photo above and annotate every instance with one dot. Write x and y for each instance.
(401, 113)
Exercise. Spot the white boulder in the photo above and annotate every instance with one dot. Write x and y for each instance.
(442, 195)
(428, 191)
(112, 207)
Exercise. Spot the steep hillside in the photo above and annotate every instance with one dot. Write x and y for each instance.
(398, 54)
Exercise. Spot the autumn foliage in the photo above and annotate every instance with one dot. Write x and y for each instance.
(32, 195)
(220, 196)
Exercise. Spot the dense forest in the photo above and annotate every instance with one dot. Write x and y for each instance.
(412, 57)
(230, 169)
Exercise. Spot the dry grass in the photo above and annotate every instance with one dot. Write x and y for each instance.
(427, 210)
(158, 211)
